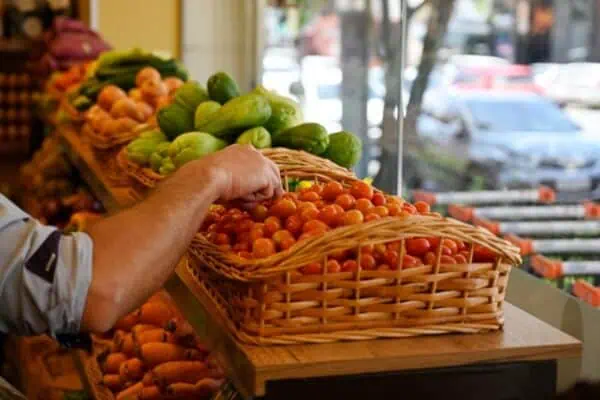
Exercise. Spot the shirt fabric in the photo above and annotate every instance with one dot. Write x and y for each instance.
(44, 275)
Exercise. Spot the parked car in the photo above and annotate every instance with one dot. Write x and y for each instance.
(501, 140)
(576, 83)
(497, 77)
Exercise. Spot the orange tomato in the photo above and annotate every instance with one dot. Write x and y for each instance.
(312, 269)
(391, 258)
(339, 255)
(280, 236)
(379, 199)
(244, 225)
(371, 217)
(447, 260)
(417, 247)
(410, 261)
(382, 211)
(451, 244)
(330, 215)
(364, 205)
(345, 201)
(309, 214)
(305, 205)
(314, 225)
(409, 208)
(309, 196)
(287, 243)
(309, 234)
(241, 246)
(283, 208)
(294, 224)
(379, 248)
(263, 247)
(257, 232)
(222, 238)
(394, 209)
(422, 207)
(352, 217)
(361, 190)
(332, 190)
(272, 225)
(260, 213)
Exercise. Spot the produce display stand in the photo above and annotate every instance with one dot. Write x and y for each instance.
(524, 354)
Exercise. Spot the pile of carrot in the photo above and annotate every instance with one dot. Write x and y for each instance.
(155, 354)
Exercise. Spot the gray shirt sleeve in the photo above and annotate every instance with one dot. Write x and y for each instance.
(44, 275)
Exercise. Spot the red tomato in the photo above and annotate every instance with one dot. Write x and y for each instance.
(451, 244)
(333, 267)
(391, 258)
(460, 259)
(422, 207)
(410, 262)
(272, 225)
(290, 196)
(314, 225)
(395, 246)
(283, 208)
(345, 201)
(257, 232)
(309, 234)
(379, 199)
(447, 260)
(394, 209)
(363, 205)
(281, 235)
(241, 246)
(434, 242)
(384, 267)
(305, 205)
(260, 213)
(350, 266)
(339, 255)
(382, 211)
(460, 244)
(361, 190)
(226, 248)
(417, 247)
(352, 217)
(294, 224)
(330, 215)
(245, 254)
(312, 269)
(371, 217)
(367, 249)
(222, 238)
(430, 258)
(367, 262)
(332, 190)
(309, 214)
(483, 254)
(244, 225)
(446, 251)
(379, 248)
(287, 243)
(262, 248)
(310, 196)
(409, 208)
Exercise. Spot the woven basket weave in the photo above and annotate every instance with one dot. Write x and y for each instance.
(142, 175)
(110, 142)
(268, 301)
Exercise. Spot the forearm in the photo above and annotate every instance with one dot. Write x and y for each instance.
(135, 251)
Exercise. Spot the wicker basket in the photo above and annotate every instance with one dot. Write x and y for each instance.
(104, 143)
(268, 301)
(142, 175)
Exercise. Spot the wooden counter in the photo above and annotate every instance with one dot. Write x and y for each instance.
(528, 345)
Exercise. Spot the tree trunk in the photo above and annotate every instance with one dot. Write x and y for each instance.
(440, 12)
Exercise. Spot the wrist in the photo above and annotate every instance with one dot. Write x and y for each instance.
(204, 181)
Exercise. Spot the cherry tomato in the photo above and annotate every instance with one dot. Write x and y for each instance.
(287, 243)
(280, 236)
(260, 213)
(241, 246)
(379, 248)
(417, 247)
(263, 247)
(371, 217)
(446, 251)
(333, 267)
(345, 201)
(394, 246)
(384, 267)
(410, 262)
(339, 255)
(447, 260)
(226, 248)
(312, 269)
(244, 225)
(309, 214)
(245, 254)
(361, 190)
(290, 196)
(434, 242)
(283, 208)
(222, 238)
(422, 207)
(309, 234)
(310, 196)
(330, 215)
(483, 254)
(367, 262)
(409, 208)
(257, 232)
(272, 225)
(460, 259)
(451, 244)
(460, 244)
(379, 199)
(430, 258)
(294, 224)
(350, 266)
(382, 211)
(352, 217)
(314, 225)
(364, 205)
(367, 249)
(306, 205)
(391, 258)
(332, 190)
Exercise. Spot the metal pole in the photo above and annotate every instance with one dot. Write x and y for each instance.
(400, 119)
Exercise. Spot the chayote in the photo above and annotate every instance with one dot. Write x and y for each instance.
(258, 137)
(192, 146)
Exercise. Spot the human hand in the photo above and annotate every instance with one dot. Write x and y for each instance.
(241, 173)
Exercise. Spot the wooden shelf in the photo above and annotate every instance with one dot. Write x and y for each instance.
(525, 338)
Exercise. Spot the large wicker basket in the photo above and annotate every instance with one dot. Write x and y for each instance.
(268, 301)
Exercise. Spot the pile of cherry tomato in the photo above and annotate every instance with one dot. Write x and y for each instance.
(276, 225)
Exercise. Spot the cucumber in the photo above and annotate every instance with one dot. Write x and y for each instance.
(310, 137)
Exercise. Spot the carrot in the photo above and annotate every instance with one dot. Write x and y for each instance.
(177, 390)
(158, 353)
(148, 379)
(113, 362)
(128, 345)
(154, 336)
(180, 327)
(155, 313)
(139, 328)
(180, 371)
(118, 341)
(131, 392)
(128, 321)
(112, 381)
(150, 393)
(205, 387)
(131, 369)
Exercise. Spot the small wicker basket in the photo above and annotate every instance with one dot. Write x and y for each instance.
(268, 301)
(142, 175)
(104, 143)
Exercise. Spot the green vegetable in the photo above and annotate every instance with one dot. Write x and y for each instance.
(258, 137)
(140, 150)
(205, 110)
(222, 87)
(310, 137)
(286, 113)
(190, 95)
(156, 159)
(174, 120)
(153, 134)
(82, 103)
(344, 149)
(192, 146)
(167, 167)
(245, 111)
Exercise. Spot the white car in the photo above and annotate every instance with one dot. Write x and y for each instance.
(576, 83)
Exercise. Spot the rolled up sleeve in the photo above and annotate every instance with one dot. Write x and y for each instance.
(44, 275)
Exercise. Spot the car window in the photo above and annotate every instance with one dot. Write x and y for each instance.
(515, 115)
